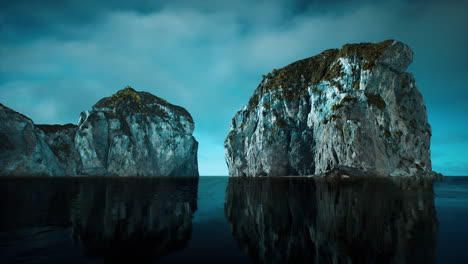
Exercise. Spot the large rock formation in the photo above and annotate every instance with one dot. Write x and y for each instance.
(353, 107)
(310, 220)
(130, 133)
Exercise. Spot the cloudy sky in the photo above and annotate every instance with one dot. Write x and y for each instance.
(58, 58)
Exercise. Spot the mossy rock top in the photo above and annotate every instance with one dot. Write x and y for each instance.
(127, 101)
(317, 68)
(294, 78)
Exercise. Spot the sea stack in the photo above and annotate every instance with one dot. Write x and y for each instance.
(353, 109)
(127, 134)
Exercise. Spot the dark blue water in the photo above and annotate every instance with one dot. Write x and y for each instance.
(221, 220)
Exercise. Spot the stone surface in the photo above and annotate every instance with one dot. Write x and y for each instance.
(353, 107)
(61, 140)
(137, 133)
(23, 148)
(127, 134)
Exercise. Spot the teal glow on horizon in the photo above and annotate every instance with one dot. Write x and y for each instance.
(208, 57)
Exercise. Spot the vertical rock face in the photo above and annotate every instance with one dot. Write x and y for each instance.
(307, 220)
(23, 148)
(128, 134)
(354, 107)
(137, 133)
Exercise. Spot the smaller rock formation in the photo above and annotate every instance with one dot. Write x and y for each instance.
(128, 134)
(354, 107)
(137, 133)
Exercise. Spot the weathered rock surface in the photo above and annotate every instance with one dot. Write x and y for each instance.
(137, 133)
(61, 140)
(313, 220)
(23, 148)
(353, 107)
(130, 133)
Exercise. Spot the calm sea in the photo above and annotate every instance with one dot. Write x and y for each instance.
(222, 220)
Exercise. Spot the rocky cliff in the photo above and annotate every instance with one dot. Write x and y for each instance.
(137, 133)
(354, 107)
(129, 133)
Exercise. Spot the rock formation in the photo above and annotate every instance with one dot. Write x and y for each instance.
(354, 107)
(23, 148)
(130, 133)
(137, 133)
(310, 220)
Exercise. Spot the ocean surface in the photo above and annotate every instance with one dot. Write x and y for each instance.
(222, 220)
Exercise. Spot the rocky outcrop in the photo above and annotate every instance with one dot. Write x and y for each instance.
(137, 133)
(23, 148)
(355, 107)
(130, 133)
(310, 220)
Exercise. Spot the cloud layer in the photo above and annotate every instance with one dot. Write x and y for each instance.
(59, 60)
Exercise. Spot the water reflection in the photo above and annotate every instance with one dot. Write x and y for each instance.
(298, 220)
(113, 219)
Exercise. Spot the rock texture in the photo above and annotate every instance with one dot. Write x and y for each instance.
(310, 220)
(137, 133)
(128, 134)
(353, 107)
(61, 140)
(23, 148)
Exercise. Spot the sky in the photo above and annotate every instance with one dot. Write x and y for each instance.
(59, 58)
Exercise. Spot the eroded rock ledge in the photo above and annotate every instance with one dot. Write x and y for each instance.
(354, 107)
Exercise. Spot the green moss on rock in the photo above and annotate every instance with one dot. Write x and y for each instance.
(130, 101)
(293, 80)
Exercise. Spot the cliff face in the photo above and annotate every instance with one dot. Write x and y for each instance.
(137, 133)
(354, 107)
(130, 133)
(308, 220)
(23, 148)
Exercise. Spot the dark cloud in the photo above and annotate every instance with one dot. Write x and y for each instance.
(60, 57)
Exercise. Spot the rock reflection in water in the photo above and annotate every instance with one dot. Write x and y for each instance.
(123, 218)
(115, 219)
(298, 220)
